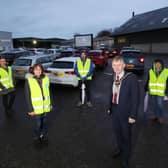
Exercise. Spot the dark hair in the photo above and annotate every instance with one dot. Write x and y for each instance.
(158, 60)
(83, 52)
(41, 67)
(31, 69)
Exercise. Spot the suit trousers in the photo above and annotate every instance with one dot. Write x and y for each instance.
(122, 131)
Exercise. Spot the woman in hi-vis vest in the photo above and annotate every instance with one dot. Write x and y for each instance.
(39, 102)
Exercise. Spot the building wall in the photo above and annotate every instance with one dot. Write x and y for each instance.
(5, 41)
(107, 42)
(149, 41)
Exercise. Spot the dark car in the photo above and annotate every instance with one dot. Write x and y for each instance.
(99, 58)
(72, 53)
(11, 56)
(133, 59)
(113, 52)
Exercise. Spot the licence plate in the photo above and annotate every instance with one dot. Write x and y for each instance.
(59, 74)
(130, 65)
(20, 71)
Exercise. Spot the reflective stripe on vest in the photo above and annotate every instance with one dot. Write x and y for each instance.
(157, 85)
(6, 78)
(84, 69)
(41, 102)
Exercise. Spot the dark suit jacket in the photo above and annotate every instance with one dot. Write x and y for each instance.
(128, 98)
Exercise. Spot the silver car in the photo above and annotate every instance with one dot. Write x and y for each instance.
(22, 65)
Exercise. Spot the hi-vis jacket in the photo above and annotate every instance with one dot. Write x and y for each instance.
(157, 84)
(85, 70)
(6, 78)
(40, 97)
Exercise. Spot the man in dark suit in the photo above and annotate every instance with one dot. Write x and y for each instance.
(123, 106)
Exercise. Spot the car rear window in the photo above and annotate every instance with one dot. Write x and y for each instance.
(66, 54)
(8, 55)
(94, 54)
(133, 53)
(22, 62)
(130, 52)
(62, 65)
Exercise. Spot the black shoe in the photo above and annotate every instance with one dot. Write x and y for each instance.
(79, 104)
(36, 142)
(116, 153)
(43, 139)
(8, 113)
(89, 104)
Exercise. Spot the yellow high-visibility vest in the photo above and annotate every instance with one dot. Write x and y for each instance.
(41, 102)
(84, 69)
(157, 85)
(6, 78)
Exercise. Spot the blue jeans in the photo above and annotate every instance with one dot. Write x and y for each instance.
(41, 125)
(157, 105)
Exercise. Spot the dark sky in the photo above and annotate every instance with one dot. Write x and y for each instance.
(64, 18)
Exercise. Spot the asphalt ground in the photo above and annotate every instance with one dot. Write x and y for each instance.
(80, 137)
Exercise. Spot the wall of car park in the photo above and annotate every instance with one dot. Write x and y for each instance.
(5, 41)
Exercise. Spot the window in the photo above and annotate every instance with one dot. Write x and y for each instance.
(62, 65)
(164, 20)
(23, 62)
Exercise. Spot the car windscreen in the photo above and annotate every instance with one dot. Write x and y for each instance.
(62, 65)
(94, 54)
(22, 62)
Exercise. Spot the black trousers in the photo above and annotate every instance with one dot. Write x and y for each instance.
(87, 89)
(122, 132)
(8, 100)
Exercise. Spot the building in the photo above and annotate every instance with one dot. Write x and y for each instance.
(106, 41)
(33, 42)
(5, 41)
(147, 31)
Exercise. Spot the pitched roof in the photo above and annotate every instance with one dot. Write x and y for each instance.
(156, 19)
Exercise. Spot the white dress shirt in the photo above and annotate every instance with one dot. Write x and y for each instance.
(117, 88)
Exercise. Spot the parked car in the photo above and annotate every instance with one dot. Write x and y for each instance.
(55, 52)
(113, 52)
(133, 59)
(62, 71)
(99, 58)
(22, 65)
(10, 56)
(38, 50)
(71, 53)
